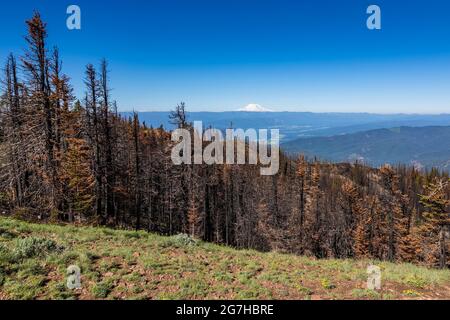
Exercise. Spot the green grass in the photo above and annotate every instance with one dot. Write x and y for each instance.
(138, 265)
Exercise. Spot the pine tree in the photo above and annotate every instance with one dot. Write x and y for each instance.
(93, 116)
(78, 177)
(301, 175)
(193, 217)
(15, 150)
(354, 210)
(436, 219)
(397, 221)
(36, 65)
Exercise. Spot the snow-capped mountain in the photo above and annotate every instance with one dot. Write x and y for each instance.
(253, 107)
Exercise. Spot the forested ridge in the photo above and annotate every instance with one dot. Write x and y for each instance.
(79, 161)
(424, 147)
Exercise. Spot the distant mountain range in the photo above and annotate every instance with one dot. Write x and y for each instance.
(294, 125)
(413, 139)
(424, 147)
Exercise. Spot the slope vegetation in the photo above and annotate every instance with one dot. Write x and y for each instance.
(138, 265)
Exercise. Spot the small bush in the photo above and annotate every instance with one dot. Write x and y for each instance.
(59, 291)
(30, 289)
(102, 290)
(366, 294)
(6, 256)
(69, 258)
(35, 247)
(181, 240)
(416, 281)
(4, 199)
(3, 250)
(410, 293)
(21, 213)
(6, 234)
(327, 284)
(2, 276)
(92, 257)
(108, 232)
(132, 235)
(31, 268)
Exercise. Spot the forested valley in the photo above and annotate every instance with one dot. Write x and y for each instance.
(69, 160)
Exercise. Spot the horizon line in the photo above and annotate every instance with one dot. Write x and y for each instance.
(287, 111)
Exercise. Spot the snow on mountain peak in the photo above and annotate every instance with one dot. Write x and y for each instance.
(253, 107)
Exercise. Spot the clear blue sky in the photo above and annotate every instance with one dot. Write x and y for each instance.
(304, 55)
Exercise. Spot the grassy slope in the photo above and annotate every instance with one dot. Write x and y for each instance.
(137, 265)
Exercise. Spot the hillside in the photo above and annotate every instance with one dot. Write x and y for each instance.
(138, 265)
(420, 146)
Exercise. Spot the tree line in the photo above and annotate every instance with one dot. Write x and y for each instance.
(80, 161)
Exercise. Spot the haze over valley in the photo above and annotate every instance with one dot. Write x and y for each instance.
(419, 140)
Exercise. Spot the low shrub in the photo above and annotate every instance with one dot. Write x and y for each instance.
(102, 290)
(7, 234)
(327, 284)
(4, 200)
(416, 281)
(2, 277)
(21, 213)
(181, 240)
(35, 247)
(6, 256)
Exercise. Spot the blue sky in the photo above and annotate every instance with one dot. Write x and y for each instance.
(309, 55)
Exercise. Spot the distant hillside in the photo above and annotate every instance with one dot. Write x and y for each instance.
(421, 146)
(294, 125)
